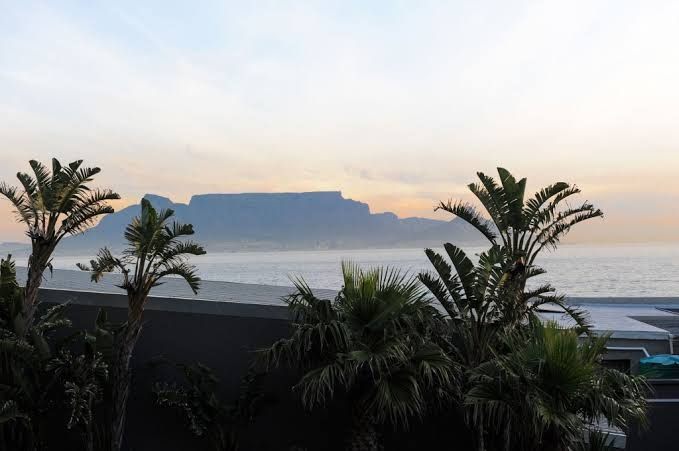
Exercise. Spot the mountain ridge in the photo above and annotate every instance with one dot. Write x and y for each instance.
(278, 221)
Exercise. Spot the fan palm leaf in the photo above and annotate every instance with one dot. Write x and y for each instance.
(550, 389)
(371, 344)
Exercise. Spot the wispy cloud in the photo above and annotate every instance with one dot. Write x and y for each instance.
(386, 101)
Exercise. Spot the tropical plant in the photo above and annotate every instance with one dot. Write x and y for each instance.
(155, 249)
(523, 227)
(24, 385)
(52, 206)
(597, 440)
(84, 378)
(196, 397)
(484, 302)
(550, 390)
(485, 299)
(39, 374)
(371, 346)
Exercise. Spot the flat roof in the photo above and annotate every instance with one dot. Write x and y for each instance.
(622, 317)
(665, 302)
(622, 321)
(172, 287)
(226, 298)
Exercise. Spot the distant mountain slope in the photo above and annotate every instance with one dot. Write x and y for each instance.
(13, 248)
(313, 220)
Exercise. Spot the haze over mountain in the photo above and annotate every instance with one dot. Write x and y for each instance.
(312, 220)
(11, 247)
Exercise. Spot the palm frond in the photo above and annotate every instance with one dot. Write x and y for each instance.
(490, 272)
(86, 210)
(178, 251)
(306, 307)
(540, 198)
(21, 207)
(513, 192)
(71, 185)
(437, 288)
(396, 399)
(433, 366)
(470, 215)
(545, 214)
(492, 197)
(105, 262)
(450, 282)
(183, 270)
(178, 229)
(319, 385)
(42, 176)
(551, 235)
(464, 268)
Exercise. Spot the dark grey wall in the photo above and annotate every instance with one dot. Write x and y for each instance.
(224, 343)
(663, 415)
(224, 336)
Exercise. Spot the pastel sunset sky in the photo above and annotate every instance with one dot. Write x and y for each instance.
(395, 103)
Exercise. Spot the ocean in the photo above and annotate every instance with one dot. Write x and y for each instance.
(575, 270)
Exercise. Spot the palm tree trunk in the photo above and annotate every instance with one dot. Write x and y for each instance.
(363, 435)
(37, 263)
(33, 283)
(88, 437)
(480, 438)
(87, 433)
(120, 381)
(30, 303)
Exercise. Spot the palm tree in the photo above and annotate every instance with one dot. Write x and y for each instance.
(550, 390)
(523, 227)
(484, 302)
(371, 344)
(155, 250)
(488, 301)
(53, 206)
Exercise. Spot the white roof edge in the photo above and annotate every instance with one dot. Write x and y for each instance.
(635, 335)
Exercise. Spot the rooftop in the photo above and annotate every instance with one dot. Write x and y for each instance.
(627, 318)
(228, 298)
(634, 322)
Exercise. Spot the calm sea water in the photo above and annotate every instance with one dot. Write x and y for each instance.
(575, 270)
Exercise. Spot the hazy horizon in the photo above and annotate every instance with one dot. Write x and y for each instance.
(395, 104)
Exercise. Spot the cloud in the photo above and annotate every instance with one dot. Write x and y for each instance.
(391, 104)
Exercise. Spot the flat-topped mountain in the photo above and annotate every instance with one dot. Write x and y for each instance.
(313, 220)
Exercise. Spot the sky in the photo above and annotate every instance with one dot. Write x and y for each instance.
(395, 103)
